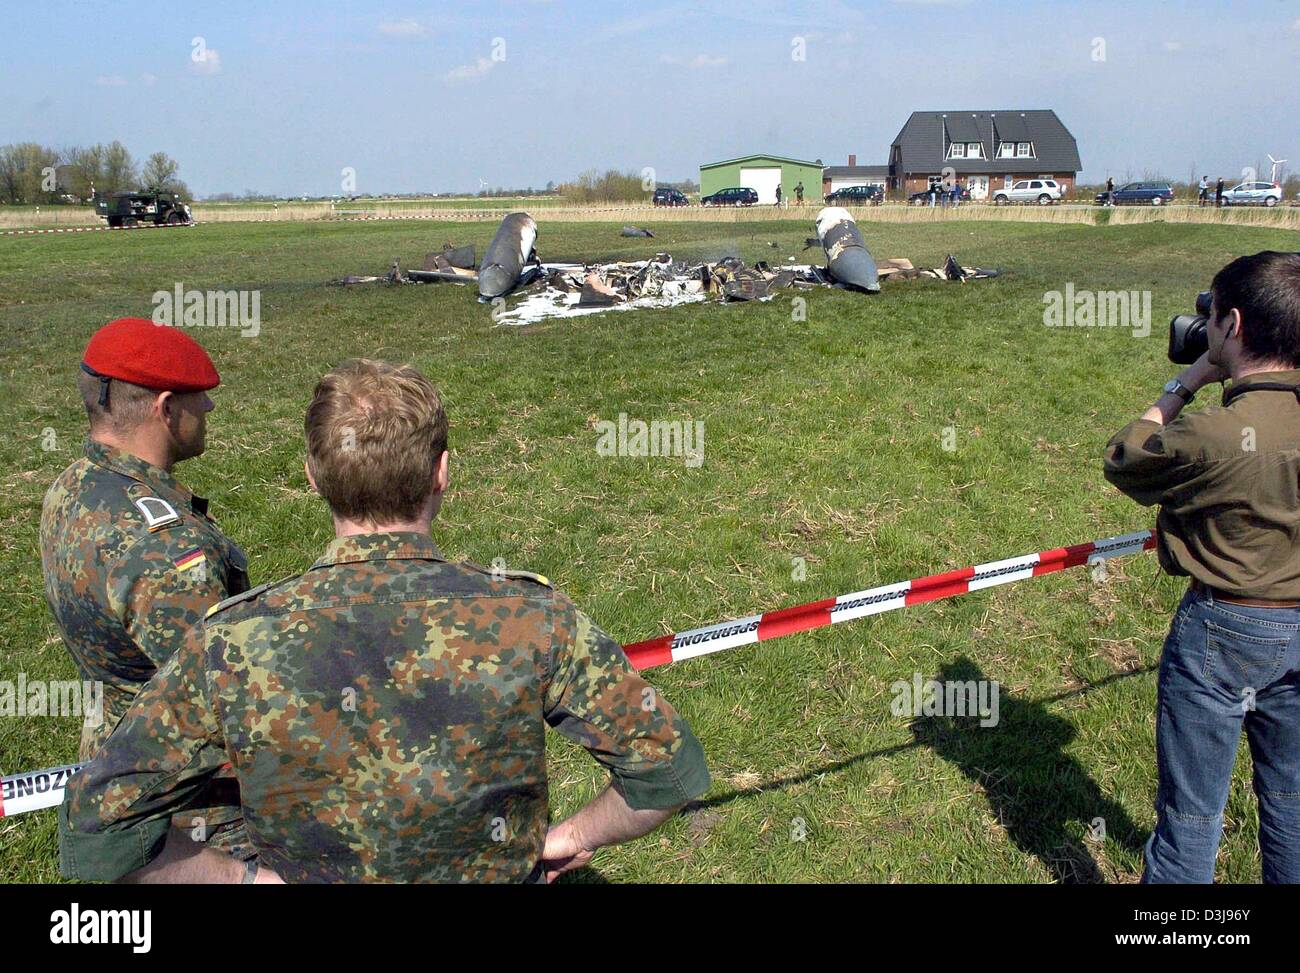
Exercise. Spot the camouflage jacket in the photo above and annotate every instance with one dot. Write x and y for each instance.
(131, 561)
(385, 716)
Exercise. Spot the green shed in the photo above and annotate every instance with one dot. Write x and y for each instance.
(764, 173)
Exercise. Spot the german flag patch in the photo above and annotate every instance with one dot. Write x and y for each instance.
(191, 560)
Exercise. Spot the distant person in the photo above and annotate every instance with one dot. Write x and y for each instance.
(931, 193)
(956, 193)
(1204, 196)
(1110, 191)
(798, 193)
(778, 194)
(1218, 192)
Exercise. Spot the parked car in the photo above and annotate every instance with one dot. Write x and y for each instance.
(735, 196)
(1253, 194)
(670, 197)
(1041, 191)
(856, 196)
(923, 197)
(1140, 194)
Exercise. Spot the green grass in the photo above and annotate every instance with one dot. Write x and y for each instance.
(822, 442)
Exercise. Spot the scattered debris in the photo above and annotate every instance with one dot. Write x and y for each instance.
(452, 275)
(510, 264)
(596, 293)
(460, 258)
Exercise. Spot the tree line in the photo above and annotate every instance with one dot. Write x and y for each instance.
(37, 174)
(610, 186)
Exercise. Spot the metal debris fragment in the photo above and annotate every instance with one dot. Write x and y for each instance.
(512, 248)
(847, 256)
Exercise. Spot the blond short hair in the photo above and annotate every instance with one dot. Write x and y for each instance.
(375, 434)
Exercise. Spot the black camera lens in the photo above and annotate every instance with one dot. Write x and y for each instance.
(1189, 334)
(1189, 338)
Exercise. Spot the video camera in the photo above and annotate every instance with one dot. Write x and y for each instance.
(1189, 337)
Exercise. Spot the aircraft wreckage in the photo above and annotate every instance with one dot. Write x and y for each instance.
(511, 267)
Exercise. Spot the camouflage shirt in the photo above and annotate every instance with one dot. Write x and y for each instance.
(385, 716)
(131, 561)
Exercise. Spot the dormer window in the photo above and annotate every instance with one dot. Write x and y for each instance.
(966, 150)
(1006, 150)
(957, 150)
(1024, 150)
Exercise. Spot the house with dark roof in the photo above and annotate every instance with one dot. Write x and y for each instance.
(984, 150)
(842, 177)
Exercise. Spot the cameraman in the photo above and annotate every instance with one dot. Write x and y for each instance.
(1227, 480)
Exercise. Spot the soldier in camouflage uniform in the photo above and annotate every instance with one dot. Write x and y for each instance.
(131, 558)
(385, 712)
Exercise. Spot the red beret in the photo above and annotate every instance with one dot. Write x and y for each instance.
(155, 356)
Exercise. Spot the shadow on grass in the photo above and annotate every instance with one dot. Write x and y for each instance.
(1036, 790)
(583, 876)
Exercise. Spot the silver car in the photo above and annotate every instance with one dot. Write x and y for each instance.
(1253, 194)
(1041, 191)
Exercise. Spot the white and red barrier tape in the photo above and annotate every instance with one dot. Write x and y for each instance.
(34, 790)
(94, 229)
(799, 618)
(44, 788)
(165, 226)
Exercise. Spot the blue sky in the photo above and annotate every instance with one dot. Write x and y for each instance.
(438, 97)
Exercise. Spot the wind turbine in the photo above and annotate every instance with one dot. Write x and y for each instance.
(1273, 172)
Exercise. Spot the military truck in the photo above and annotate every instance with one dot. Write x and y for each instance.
(134, 208)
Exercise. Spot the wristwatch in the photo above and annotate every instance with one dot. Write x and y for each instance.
(1175, 387)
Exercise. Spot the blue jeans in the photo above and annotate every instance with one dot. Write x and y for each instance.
(1225, 666)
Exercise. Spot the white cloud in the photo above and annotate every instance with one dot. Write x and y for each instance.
(470, 72)
(698, 61)
(148, 79)
(408, 27)
(210, 63)
(1173, 45)
(110, 81)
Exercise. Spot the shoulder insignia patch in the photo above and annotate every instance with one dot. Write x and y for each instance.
(499, 573)
(539, 578)
(236, 599)
(158, 513)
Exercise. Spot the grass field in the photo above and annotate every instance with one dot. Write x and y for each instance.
(823, 441)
